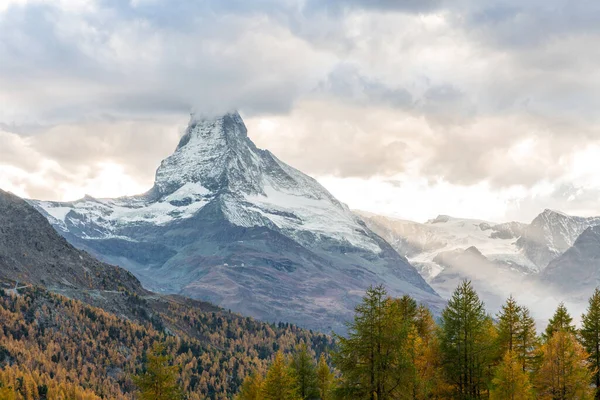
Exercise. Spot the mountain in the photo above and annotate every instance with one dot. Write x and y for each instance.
(577, 270)
(526, 247)
(33, 253)
(97, 337)
(230, 223)
(525, 260)
(422, 243)
(550, 234)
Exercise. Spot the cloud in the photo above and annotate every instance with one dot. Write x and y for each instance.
(500, 95)
(407, 6)
(346, 81)
(120, 59)
(103, 159)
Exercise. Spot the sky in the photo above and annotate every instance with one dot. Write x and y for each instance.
(409, 108)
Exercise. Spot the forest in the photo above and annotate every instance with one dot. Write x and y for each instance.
(396, 349)
(52, 347)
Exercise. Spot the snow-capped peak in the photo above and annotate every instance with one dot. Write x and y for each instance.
(214, 152)
(216, 162)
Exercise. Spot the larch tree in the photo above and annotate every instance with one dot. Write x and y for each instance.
(509, 322)
(429, 381)
(510, 381)
(590, 336)
(325, 379)
(564, 373)
(465, 339)
(407, 307)
(280, 383)
(251, 388)
(372, 359)
(516, 333)
(560, 321)
(304, 371)
(7, 393)
(159, 381)
(527, 341)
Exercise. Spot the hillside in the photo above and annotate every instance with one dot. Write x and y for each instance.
(67, 345)
(77, 324)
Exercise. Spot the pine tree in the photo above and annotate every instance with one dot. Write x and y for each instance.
(510, 381)
(159, 381)
(372, 359)
(564, 372)
(590, 336)
(280, 383)
(561, 321)
(466, 332)
(305, 374)
(324, 379)
(251, 388)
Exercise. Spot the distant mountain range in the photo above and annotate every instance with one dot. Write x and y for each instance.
(556, 253)
(231, 224)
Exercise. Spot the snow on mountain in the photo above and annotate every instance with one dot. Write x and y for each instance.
(230, 223)
(535, 261)
(550, 234)
(421, 243)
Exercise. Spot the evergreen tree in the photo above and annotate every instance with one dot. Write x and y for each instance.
(280, 383)
(324, 379)
(510, 381)
(159, 381)
(372, 359)
(590, 336)
(564, 372)
(305, 374)
(466, 332)
(561, 321)
(251, 388)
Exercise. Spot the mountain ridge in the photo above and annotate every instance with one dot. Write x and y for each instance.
(231, 223)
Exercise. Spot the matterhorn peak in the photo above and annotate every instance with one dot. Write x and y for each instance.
(229, 222)
(211, 148)
(209, 127)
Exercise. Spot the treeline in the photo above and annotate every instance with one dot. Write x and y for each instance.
(53, 347)
(396, 350)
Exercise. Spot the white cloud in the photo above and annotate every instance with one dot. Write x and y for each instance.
(477, 107)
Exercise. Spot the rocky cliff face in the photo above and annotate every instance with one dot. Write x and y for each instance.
(31, 252)
(230, 223)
